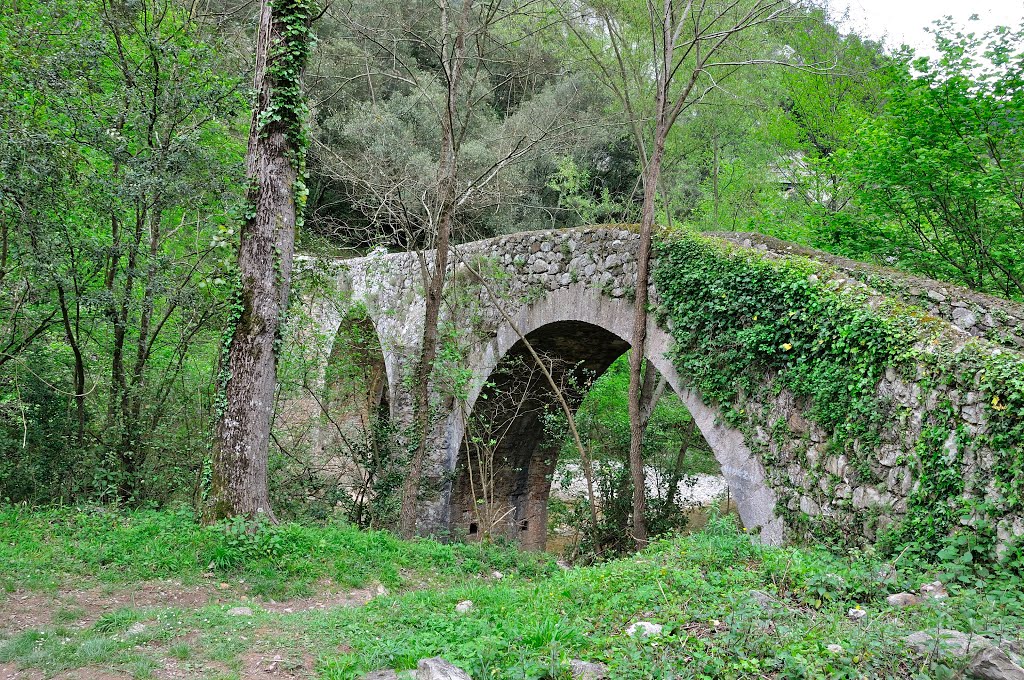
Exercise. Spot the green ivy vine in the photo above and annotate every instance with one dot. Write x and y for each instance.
(747, 325)
(286, 113)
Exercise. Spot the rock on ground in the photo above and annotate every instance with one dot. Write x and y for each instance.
(902, 599)
(946, 641)
(992, 663)
(761, 599)
(436, 668)
(856, 613)
(587, 670)
(935, 590)
(643, 629)
(240, 611)
(464, 606)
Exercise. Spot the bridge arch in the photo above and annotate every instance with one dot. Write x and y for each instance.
(581, 324)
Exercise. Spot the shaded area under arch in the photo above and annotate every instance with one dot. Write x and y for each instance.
(580, 325)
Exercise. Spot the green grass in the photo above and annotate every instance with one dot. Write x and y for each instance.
(40, 549)
(525, 626)
(699, 587)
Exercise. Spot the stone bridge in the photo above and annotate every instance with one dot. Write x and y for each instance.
(569, 293)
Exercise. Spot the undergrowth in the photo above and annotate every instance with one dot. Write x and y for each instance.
(42, 549)
(729, 607)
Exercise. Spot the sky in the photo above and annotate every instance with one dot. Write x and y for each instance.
(904, 21)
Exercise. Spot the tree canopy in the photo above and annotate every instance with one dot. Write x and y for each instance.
(122, 190)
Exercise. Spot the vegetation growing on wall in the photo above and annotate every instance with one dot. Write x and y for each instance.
(748, 325)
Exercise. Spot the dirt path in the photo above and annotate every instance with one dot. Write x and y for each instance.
(77, 610)
(30, 610)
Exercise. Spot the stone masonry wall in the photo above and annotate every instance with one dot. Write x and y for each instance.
(859, 490)
(981, 315)
(863, 490)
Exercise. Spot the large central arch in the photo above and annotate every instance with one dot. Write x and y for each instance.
(580, 324)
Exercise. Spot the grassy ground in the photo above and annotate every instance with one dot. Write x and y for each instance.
(109, 595)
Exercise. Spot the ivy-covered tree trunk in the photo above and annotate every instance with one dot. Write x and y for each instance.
(275, 166)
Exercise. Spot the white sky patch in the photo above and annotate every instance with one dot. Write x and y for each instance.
(904, 21)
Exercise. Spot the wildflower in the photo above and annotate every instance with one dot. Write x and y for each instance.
(786, 346)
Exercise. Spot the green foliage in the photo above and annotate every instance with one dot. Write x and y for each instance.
(119, 153)
(603, 422)
(739, 317)
(580, 194)
(44, 548)
(700, 588)
(747, 325)
(729, 606)
(374, 178)
(941, 173)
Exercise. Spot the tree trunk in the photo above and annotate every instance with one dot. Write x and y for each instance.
(274, 163)
(79, 374)
(636, 356)
(714, 177)
(421, 395)
(447, 173)
(677, 469)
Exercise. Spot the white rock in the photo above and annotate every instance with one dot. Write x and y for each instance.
(643, 629)
(136, 628)
(240, 611)
(497, 575)
(587, 670)
(902, 599)
(464, 607)
(964, 318)
(934, 590)
(437, 668)
(835, 649)
(856, 613)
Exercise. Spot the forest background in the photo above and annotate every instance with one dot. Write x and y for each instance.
(122, 183)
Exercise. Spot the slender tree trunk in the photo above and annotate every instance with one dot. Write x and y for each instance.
(274, 163)
(714, 176)
(79, 375)
(636, 356)
(650, 392)
(447, 173)
(421, 404)
(677, 469)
